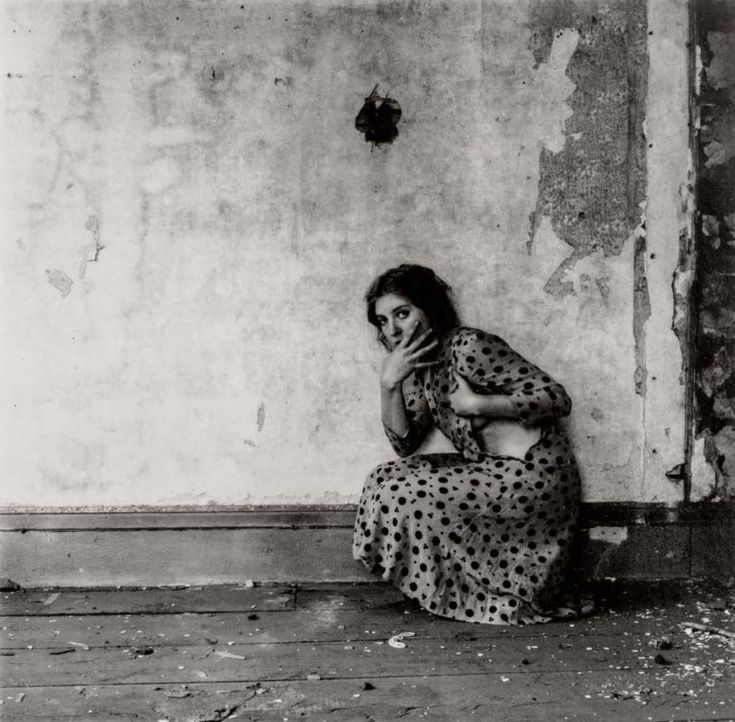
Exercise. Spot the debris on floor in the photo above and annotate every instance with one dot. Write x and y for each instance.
(142, 651)
(50, 599)
(709, 629)
(228, 655)
(396, 641)
(323, 655)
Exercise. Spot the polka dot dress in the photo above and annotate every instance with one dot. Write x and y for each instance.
(474, 536)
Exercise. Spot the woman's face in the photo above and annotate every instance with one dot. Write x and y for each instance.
(396, 317)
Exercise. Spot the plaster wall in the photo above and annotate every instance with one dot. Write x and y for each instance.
(191, 219)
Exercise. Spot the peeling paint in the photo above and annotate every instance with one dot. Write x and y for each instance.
(714, 359)
(703, 476)
(641, 313)
(723, 461)
(720, 71)
(714, 463)
(590, 185)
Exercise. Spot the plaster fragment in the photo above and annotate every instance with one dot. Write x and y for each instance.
(721, 67)
(60, 281)
(721, 456)
(719, 372)
(716, 154)
(724, 408)
(702, 474)
(710, 225)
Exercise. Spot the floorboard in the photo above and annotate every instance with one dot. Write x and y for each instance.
(322, 653)
(295, 626)
(52, 602)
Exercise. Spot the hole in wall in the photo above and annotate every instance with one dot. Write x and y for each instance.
(378, 118)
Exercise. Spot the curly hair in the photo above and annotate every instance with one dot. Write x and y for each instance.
(423, 288)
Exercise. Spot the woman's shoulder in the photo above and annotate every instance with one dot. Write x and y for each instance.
(467, 336)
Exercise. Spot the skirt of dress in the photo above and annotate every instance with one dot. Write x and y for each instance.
(479, 541)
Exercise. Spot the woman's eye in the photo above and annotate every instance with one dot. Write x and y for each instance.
(402, 314)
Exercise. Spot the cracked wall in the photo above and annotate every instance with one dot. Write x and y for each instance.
(715, 348)
(194, 219)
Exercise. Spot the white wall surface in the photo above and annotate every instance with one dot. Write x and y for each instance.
(191, 219)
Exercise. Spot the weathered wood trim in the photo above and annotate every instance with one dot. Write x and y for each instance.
(179, 520)
(323, 517)
(313, 544)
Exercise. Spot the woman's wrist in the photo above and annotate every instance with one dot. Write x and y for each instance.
(391, 385)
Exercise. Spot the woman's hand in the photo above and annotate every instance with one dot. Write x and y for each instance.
(408, 354)
(464, 400)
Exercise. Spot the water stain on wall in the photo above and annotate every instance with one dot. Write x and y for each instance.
(60, 281)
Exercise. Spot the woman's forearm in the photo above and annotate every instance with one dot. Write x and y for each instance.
(393, 409)
(494, 406)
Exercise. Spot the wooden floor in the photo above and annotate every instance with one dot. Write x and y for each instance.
(323, 653)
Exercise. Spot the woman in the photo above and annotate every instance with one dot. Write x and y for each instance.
(481, 535)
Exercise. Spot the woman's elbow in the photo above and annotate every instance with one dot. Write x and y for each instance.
(562, 402)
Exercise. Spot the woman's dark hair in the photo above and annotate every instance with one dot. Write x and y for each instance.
(423, 288)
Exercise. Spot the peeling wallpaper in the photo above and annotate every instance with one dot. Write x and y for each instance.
(714, 357)
(192, 219)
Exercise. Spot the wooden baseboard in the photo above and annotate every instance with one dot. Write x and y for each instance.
(83, 548)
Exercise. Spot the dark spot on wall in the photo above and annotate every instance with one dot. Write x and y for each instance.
(214, 81)
(378, 118)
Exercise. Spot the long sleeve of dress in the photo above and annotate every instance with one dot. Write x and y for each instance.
(493, 367)
(419, 419)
